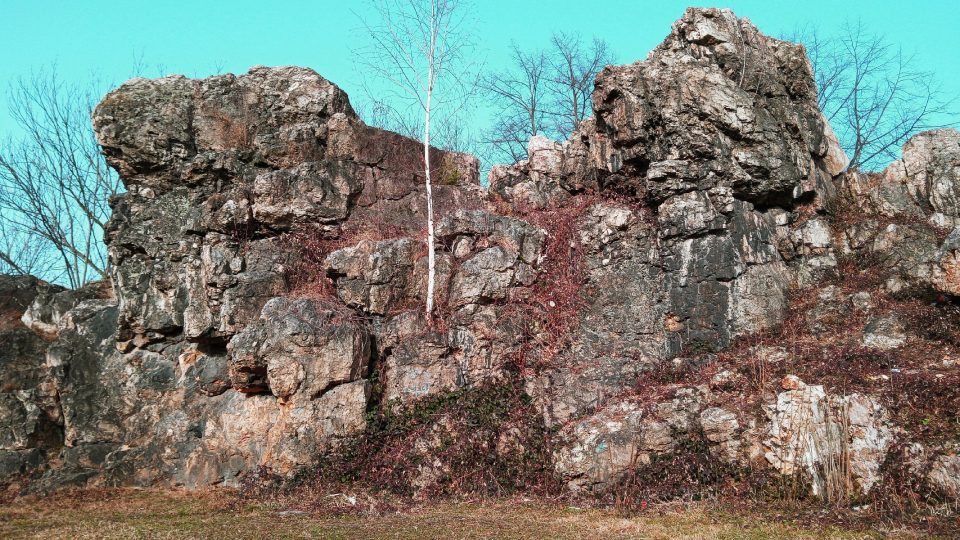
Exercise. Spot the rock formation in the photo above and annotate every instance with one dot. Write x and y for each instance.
(636, 281)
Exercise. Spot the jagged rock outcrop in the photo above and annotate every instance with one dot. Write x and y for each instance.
(217, 169)
(30, 417)
(268, 278)
(909, 214)
(718, 134)
(200, 370)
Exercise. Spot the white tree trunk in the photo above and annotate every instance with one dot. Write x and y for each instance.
(431, 256)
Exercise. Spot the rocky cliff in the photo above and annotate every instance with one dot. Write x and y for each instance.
(693, 271)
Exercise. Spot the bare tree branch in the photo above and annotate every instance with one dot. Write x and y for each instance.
(574, 66)
(871, 93)
(518, 93)
(54, 183)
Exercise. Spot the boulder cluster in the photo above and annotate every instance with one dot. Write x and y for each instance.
(268, 277)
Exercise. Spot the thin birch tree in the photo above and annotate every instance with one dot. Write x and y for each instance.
(421, 49)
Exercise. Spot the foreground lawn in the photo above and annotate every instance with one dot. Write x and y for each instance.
(126, 513)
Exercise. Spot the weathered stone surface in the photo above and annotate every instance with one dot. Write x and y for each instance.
(53, 302)
(751, 90)
(944, 475)
(420, 367)
(308, 193)
(484, 263)
(709, 158)
(946, 271)
(495, 253)
(909, 213)
(298, 347)
(374, 275)
(33, 414)
(721, 426)
(211, 164)
(885, 332)
(677, 219)
(819, 436)
(924, 183)
(596, 451)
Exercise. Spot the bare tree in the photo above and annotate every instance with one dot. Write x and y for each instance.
(544, 92)
(422, 49)
(518, 95)
(54, 184)
(871, 93)
(574, 66)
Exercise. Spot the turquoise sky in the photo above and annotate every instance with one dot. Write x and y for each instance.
(198, 38)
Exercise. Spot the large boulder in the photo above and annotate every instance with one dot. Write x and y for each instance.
(217, 169)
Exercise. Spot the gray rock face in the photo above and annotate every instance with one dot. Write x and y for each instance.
(375, 276)
(238, 161)
(298, 347)
(201, 370)
(909, 213)
(36, 417)
(884, 333)
(596, 451)
(675, 220)
(750, 89)
(697, 132)
(30, 417)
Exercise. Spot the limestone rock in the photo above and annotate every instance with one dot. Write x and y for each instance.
(812, 434)
(673, 221)
(944, 475)
(883, 333)
(217, 169)
(946, 272)
(598, 450)
(496, 254)
(374, 275)
(721, 427)
(298, 347)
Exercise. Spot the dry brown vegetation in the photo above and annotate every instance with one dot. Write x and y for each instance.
(130, 513)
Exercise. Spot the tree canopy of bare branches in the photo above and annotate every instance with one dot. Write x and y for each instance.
(871, 92)
(574, 67)
(542, 92)
(518, 93)
(54, 184)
